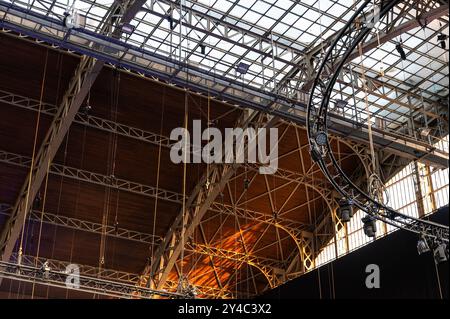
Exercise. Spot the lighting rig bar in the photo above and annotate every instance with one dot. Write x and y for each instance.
(353, 33)
(49, 277)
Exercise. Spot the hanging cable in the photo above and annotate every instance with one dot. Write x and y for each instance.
(33, 157)
(155, 207)
(183, 229)
(40, 224)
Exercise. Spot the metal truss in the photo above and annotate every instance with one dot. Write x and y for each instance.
(119, 276)
(84, 225)
(85, 270)
(89, 121)
(79, 86)
(109, 274)
(198, 203)
(271, 269)
(141, 189)
(296, 231)
(354, 32)
(391, 161)
(138, 61)
(57, 278)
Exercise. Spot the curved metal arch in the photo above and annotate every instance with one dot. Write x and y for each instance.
(354, 32)
(361, 157)
(289, 232)
(264, 272)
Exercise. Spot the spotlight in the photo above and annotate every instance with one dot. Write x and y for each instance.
(424, 131)
(400, 51)
(170, 19)
(369, 226)
(441, 39)
(69, 21)
(315, 154)
(37, 201)
(321, 138)
(422, 246)
(242, 68)
(202, 49)
(340, 104)
(345, 209)
(172, 25)
(441, 253)
(86, 110)
(246, 183)
(45, 269)
(127, 28)
(116, 227)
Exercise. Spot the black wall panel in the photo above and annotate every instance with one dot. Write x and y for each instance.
(403, 273)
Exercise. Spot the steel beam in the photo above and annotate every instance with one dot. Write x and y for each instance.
(115, 276)
(197, 204)
(156, 139)
(276, 104)
(33, 274)
(145, 190)
(83, 79)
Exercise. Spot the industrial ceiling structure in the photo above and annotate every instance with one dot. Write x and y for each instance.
(91, 90)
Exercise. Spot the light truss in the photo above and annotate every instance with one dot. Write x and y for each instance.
(355, 31)
(35, 275)
(109, 274)
(117, 276)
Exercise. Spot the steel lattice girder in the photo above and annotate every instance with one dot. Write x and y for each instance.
(189, 218)
(87, 283)
(132, 132)
(401, 145)
(94, 280)
(145, 190)
(328, 71)
(39, 216)
(84, 77)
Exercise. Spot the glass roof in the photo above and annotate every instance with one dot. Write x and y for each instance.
(261, 43)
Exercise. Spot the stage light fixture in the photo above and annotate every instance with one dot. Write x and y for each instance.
(170, 19)
(400, 51)
(340, 104)
(242, 68)
(440, 253)
(315, 154)
(246, 183)
(127, 28)
(37, 201)
(86, 110)
(345, 209)
(441, 39)
(369, 226)
(321, 138)
(202, 49)
(422, 246)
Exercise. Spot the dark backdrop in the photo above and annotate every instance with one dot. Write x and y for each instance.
(403, 273)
